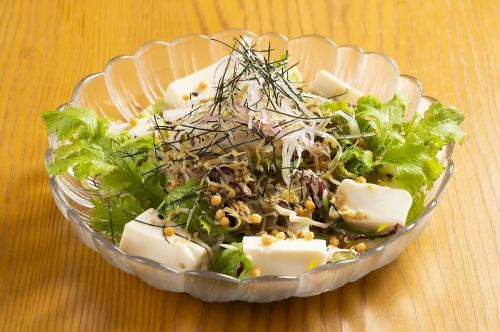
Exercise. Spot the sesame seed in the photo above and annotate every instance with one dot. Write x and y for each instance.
(312, 264)
(202, 85)
(334, 241)
(224, 221)
(309, 236)
(360, 247)
(133, 122)
(169, 231)
(360, 179)
(309, 205)
(267, 240)
(301, 212)
(255, 272)
(215, 200)
(280, 235)
(220, 214)
(255, 218)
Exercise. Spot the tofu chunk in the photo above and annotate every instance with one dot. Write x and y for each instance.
(372, 206)
(285, 257)
(202, 82)
(327, 85)
(174, 251)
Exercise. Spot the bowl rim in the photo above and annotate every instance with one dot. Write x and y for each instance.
(80, 222)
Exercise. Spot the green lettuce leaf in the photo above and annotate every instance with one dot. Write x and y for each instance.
(398, 153)
(384, 119)
(181, 192)
(109, 216)
(157, 108)
(355, 162)
(117, 164)
(438, 126)
(73, 122)
(332, 106)
(233, 262)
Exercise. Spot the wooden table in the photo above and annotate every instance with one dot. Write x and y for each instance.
(446, 280)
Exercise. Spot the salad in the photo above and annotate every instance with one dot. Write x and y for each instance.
(245, 169)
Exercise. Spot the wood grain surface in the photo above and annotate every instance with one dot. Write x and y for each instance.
(448, 279)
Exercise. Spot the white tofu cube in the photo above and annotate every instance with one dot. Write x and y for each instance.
(143, 240)
(372, 206)
(285, 257)
(203, 82)
(327, 85)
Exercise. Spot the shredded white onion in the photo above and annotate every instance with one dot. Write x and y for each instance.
(175, 114)
(331, 250)
(351, 122)
(292, 216)
(228, 246)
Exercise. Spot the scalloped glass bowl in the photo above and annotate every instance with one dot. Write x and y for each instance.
(130, 83)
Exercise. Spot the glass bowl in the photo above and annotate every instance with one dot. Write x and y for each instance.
(130, 83)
